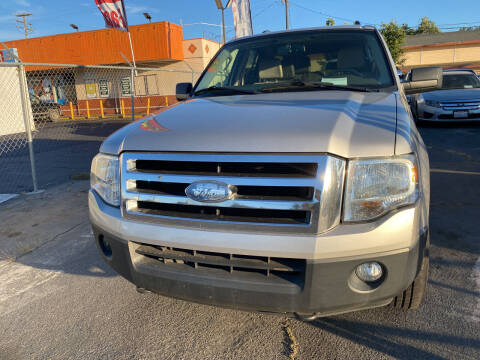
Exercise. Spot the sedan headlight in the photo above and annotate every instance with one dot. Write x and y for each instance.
(105, 178)
(375, 187)
(433, 103)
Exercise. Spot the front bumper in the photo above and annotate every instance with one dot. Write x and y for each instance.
(326, 287)
(429, 113)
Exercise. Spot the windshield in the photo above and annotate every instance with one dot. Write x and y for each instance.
(335, 57)
(460, 81)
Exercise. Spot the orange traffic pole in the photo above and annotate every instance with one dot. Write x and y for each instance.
(88, 110)
(123, 109)
(71, 111)
(166, 100)
(148, 106)
(101, 109)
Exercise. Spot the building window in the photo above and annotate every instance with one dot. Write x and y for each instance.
(126, 86)
(90, 89)
(103, 88)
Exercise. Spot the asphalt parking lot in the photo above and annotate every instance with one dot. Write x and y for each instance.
(61, 150)
(60, 301)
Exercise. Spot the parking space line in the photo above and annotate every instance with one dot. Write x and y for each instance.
(6, 197)
(454, 172)
(18, 279)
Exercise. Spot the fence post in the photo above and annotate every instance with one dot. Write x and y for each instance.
(88, 110)
(71, 111)
(133, 93)
(28, 125)
(148, 106)
(101, 109)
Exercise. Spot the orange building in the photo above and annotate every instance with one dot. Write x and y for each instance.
(157, 43)
(164, 57)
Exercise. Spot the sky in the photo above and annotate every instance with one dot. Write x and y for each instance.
(55, 16)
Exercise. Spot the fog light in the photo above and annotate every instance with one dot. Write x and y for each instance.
(369, 272)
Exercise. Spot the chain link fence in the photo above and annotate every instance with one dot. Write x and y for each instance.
(53, 117)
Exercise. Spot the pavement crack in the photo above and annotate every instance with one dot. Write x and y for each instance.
(291, 341)
(462, 154)
(31, 249)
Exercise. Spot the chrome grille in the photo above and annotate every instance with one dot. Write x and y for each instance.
(274, 193)
(460, 105)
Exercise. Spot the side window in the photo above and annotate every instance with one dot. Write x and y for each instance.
(218, 74)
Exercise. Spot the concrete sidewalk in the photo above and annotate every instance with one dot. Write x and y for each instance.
(29, 221)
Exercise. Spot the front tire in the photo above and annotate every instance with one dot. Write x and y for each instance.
(412, 297)
(54, 115)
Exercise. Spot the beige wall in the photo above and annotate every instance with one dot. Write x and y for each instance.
(446, 55)
(198, 52)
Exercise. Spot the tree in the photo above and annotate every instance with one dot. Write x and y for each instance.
(408, 30)
(330, 22)
(394, 36)
(427, 26)
(469, 28)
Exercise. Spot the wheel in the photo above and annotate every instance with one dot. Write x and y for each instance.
(412, 297)
(54, 115)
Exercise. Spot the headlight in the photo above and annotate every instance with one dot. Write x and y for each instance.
(375, 187)
(432, 103)
(104, 178)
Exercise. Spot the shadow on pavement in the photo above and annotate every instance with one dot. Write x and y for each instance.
(72, 255)
(389, 339)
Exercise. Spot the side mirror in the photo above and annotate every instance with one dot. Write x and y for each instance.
(183, 90)
(424, 79)
(400, 74)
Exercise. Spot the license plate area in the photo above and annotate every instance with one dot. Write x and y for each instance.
(460, 114)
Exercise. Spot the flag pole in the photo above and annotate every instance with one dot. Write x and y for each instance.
(134, 69)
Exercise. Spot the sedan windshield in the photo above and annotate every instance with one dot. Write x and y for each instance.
(299, 61)
(460, 81)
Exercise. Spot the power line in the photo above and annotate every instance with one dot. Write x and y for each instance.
(322, 13)
(464, 23)
(204, 23)
(263, 10)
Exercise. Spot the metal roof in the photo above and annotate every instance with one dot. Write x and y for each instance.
(445, 37)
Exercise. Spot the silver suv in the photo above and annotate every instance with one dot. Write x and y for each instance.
(290, 179)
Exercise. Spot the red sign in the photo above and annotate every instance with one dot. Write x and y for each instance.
(113, 12)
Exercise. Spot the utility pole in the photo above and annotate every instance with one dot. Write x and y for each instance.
(223, 26)
(287, 20)
(222, 8)
(27, 28)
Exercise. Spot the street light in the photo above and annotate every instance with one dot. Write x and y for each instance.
(221, 7)
(147, 16)
(73, 26)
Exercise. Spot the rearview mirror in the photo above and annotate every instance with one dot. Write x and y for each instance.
(424, 79)
(183, 90)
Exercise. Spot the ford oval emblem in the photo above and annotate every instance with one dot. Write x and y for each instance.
(210, 191)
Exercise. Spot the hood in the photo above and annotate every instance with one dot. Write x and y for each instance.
(347, 124)
(453, 95)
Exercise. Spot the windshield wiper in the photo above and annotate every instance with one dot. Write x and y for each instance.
(220, 89)
(303, 85)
